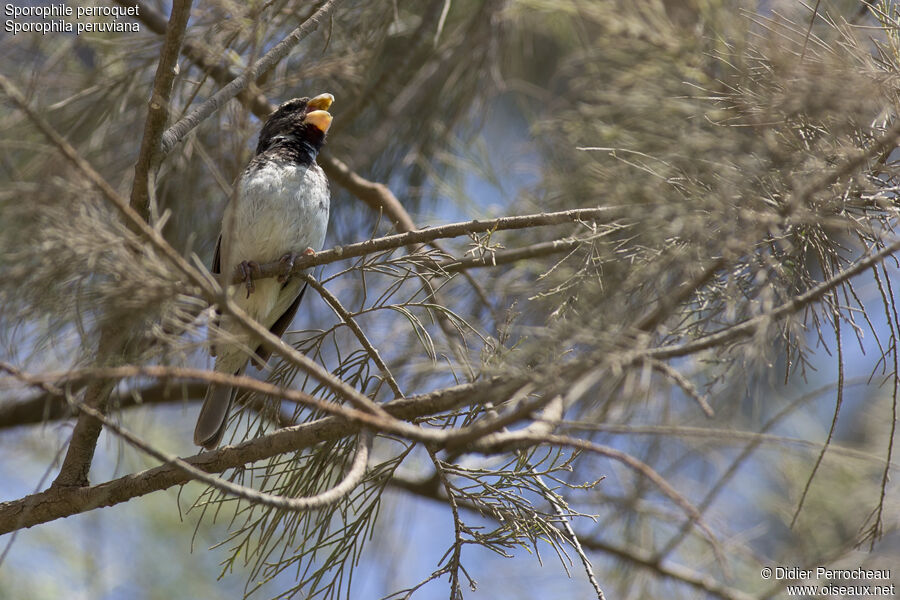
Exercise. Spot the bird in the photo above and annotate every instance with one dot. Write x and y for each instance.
(278, 211)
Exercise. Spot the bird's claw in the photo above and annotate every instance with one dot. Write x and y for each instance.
(247, 268)
(289, 259)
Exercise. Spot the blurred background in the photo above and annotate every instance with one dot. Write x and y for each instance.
(713, 128)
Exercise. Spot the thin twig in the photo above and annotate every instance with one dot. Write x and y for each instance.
(685, 384)
(348, 319)
(507, 441)
(56, 503)
(454, 563)
(839, 401)
(554, 500)
(176, 132)
(750, 326)
(352, 478)
(421, 236)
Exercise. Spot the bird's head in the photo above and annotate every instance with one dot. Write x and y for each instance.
(302, 121)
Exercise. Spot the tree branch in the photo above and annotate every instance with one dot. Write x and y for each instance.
(56, 503)
(50, 407)
(685, 384)
(158, 110)
(176, 132)
(351, 323)
(351, 479)
(633, 556)
(421, 236)
(750, 326)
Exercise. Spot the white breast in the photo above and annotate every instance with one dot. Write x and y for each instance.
(278, 208)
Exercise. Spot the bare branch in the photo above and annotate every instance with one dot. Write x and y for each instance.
(421, 236)
(685, 384)
(177, 131)
(748, 327)
(56, 503)
(49, 407)
(348, 319)
(158, 111)
(352, 478)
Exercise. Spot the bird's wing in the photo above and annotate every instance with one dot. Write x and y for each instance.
(217, 257)
(280, 326)
(215, 270)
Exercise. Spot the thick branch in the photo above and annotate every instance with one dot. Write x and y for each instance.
(422, 236)
(57, 503)
(50, 407)
(381, 420)
(158, 111)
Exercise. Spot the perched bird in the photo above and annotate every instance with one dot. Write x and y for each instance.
(279, 211)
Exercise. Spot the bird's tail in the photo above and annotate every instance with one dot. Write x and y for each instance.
(213, 416)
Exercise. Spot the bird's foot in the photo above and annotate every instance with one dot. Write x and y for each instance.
(247, 268)
(289, 259)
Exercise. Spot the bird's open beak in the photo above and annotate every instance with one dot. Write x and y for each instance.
(318, 115)
(321, 102)
(320, 119)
